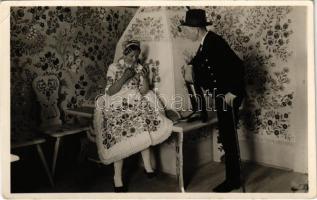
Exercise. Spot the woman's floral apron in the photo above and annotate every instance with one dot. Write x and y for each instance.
(127, 122)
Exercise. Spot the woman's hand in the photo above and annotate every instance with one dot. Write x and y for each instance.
(145, 72)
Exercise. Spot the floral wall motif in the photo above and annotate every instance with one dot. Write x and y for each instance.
(148, 28)
(77, 44)
(261, 36)
(74, 43)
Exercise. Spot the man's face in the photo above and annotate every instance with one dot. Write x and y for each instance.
(191, 33)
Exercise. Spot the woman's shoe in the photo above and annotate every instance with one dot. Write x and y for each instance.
(150, 175)
(119, 189)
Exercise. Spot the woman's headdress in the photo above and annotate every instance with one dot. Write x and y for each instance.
(131, 43)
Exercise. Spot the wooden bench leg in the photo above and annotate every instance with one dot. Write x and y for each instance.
(83, 149)
(55, 154)
(179, 161)
(47, 170)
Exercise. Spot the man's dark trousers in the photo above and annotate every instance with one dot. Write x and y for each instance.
(227, 122)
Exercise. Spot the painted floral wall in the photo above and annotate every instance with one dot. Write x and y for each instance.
(77, 44)
(262, 37)
(74, 43)
(271, 42)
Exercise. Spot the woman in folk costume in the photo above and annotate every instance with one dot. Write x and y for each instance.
(128, 118)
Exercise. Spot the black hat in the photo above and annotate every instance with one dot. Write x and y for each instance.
(195, 18)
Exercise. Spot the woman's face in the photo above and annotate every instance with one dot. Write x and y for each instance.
(132, 57)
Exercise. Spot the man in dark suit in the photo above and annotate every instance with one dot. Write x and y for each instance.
(217, 69)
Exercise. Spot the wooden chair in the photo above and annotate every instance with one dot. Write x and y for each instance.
(32, 142)
(46, 88)
(88, 149)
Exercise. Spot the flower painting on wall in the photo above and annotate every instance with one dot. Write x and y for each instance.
(73, 43)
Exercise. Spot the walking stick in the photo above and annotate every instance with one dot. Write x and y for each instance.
(238, 148)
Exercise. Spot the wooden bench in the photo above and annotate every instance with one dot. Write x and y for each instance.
(179, 128)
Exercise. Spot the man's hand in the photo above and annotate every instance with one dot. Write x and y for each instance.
(229, 97)
(188, 73)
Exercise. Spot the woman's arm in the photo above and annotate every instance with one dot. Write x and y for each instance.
(117, 85)
(145, 85)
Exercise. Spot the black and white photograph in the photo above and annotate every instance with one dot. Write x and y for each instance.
(204, 98)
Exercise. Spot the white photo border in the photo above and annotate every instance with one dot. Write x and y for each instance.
(5, 102)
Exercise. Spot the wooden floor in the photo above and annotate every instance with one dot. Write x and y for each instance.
(90, 177)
